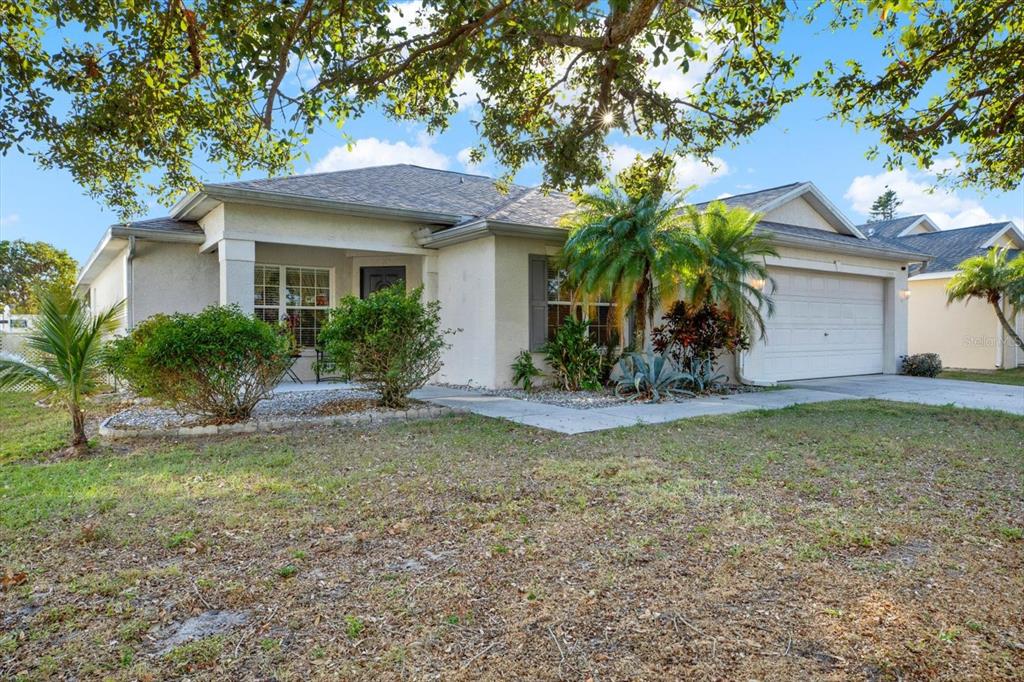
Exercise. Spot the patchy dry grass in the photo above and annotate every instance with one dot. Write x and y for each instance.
(1014, 377)
(856, 540)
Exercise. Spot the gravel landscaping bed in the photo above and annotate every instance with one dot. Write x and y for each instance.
(282, 405)
(584, 400)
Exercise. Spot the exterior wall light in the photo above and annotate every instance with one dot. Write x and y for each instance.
(905, 294)
(757, 284)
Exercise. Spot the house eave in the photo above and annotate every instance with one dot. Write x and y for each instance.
(484, 228)
(850, 249)
(115, 239)
(944, 274)
(197, 205)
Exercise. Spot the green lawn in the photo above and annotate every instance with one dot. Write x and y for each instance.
(1014, 376)
(25, 430)
(847, 540)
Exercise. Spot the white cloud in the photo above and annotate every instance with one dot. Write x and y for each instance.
(947, 208)
(689, 170)
(464, 158)
(370, 151)
(9, 220)
(724, 195)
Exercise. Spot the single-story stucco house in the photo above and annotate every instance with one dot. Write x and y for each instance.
(967, 334)
(292, 246)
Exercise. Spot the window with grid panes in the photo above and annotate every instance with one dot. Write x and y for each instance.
(298, 296)
(561, 304)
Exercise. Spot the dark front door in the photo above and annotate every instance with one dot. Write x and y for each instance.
(375, 279)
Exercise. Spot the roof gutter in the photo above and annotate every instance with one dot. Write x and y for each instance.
(484, 228)
(191, 207)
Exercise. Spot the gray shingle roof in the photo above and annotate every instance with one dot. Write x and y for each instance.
(949, 247)
(166, 225)
(534, 207)
(475, 197)
(812, 233)
(756, 200)
(398, 186)
(888, 229)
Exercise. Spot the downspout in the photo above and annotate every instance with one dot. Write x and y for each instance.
(1000, 343)
(741, 376)
(130, 288)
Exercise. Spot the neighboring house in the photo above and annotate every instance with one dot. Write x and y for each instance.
(968, 334)
(292, 247)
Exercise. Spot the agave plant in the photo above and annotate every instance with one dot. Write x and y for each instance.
(702, 376)
(649, 377)
(69, 340)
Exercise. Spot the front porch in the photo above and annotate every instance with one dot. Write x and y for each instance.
(299, 284)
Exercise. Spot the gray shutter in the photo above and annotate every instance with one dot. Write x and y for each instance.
(538, 301)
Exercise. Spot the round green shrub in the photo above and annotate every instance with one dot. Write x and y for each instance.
(390, 340)
(219, 363)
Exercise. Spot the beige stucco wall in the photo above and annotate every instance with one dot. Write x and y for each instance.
(965, 334)
(311, 228)
(799, 212)
(171, 278)
(466, 290)
(108, 287)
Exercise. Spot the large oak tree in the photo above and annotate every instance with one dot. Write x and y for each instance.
(128, 94)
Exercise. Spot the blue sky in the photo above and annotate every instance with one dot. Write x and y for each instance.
(802, 144)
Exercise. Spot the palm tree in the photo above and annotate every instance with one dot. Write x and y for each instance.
(632, 249)
(729, 269)
(70, 341)
(992, 277)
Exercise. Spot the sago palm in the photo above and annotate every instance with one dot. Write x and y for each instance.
(992, 277)
(69, 341)
(630, 249)
(729, 269)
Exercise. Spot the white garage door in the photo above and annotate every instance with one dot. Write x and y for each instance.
(825, 325)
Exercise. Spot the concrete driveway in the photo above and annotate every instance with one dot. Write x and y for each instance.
(570, 420)
(923, 390)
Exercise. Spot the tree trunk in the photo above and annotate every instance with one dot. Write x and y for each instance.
(78, 440)
(1006, 324)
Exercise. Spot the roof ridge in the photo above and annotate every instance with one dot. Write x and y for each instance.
(509, 201)
(349, 170)
(758, 191)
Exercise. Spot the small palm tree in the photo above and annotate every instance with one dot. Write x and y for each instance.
(995, 278)
(70, 340)
(729, 270)
(632, 249)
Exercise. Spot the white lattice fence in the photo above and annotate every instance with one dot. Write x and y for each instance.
(14, 345)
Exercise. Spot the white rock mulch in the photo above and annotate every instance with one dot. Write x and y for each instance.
(280, 411)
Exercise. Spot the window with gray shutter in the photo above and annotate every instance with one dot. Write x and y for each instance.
(538, 302)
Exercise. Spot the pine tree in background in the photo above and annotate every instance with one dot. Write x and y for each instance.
(885, 206)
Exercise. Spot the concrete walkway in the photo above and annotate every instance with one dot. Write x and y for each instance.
(973, 394)
(569, 420)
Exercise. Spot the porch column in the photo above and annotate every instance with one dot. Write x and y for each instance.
(430, 278)
(237, 272)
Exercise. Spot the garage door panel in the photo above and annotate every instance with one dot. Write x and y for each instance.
(825, 324)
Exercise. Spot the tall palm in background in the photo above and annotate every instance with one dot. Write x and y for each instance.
(632, 249)
(69, 341)
(728, 268)
(992, 277)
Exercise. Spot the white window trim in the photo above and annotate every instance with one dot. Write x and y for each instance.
(282, 301)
